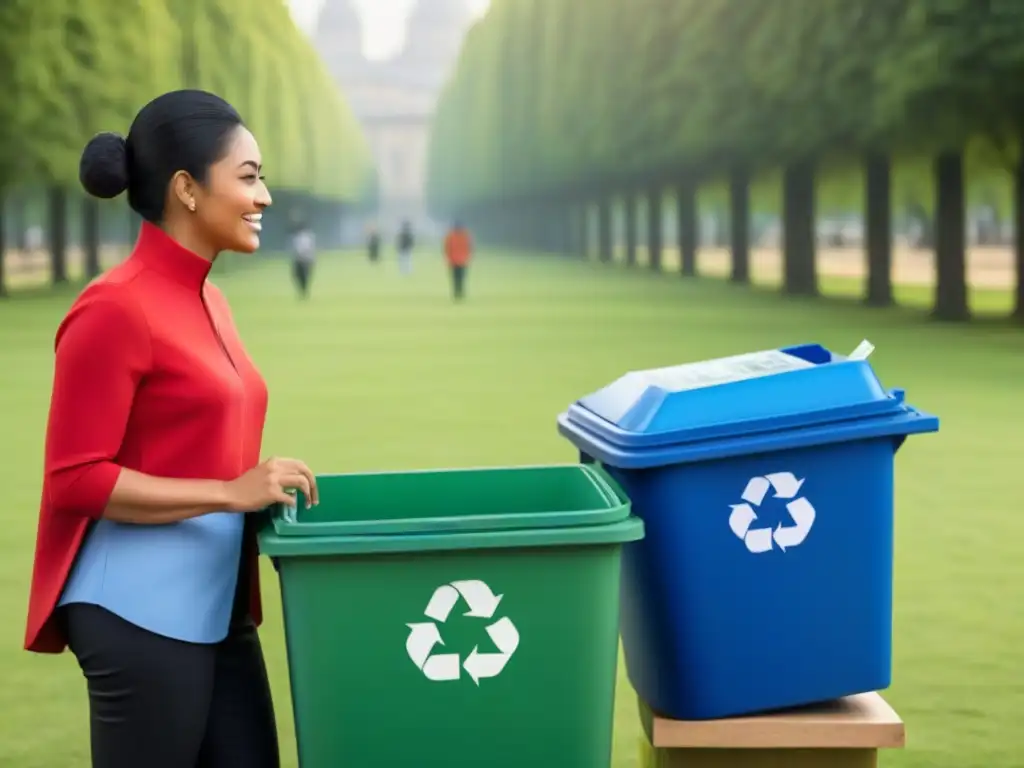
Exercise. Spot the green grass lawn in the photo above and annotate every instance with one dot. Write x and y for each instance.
(376, 371)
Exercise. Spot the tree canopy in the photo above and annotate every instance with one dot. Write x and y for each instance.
(552, 95)
(71, 68)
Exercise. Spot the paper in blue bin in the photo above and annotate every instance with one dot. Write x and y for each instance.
(766, 484)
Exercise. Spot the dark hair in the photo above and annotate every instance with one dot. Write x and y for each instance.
(180, 131)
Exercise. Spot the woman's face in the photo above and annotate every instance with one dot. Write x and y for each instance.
(230, 205)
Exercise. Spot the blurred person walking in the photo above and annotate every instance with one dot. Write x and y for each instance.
(303, 256)
(373, 244)
(458, 251)
(406, 241)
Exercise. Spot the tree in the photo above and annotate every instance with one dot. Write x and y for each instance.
(72, 68)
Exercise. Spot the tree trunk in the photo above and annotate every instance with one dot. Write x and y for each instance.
(739, 221)
(18, 225)
(562, 233)
(630, 234)
(525, 236)
(509, 227)
(878, 225)
(534, 227)
(336, 215)
(571, 228)
(58, 234)
(798, 229)
(582, 248)
(1018, 238)
(542, 227)
(538, 219)
(3, 249)
(604, 230)
(493, 223)
(563, 228)
(688, 234)
(654, 228)
(950, 242)
(513, 226)
(547, 215)
(91, 237)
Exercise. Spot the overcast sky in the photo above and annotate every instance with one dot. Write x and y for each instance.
(383, 21)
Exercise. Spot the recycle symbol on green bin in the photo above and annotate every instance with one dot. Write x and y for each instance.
(424, 637)
(759, 539)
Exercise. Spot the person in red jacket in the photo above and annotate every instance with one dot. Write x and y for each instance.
(458, 251)
(146, 562)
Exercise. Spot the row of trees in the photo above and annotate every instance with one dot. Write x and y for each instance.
(72, 68)
(557, 105)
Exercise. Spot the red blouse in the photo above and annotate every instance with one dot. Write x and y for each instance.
(150, 374)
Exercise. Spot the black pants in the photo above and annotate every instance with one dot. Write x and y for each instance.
(155, 702)
(303, 272)
(458, 281)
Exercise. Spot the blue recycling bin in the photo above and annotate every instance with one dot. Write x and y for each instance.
(765, 483)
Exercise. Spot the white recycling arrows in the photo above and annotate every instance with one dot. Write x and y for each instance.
(756, 490)
(741, 518)
(478, 596)
(506, 639)
(441, 602)
(803, 515)
(785, 484)
(421, 642)
(760, 540)
(442, 667)
(425, 636)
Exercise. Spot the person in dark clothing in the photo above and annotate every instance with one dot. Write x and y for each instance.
(303, 257)
(373, 245)
(405, 245)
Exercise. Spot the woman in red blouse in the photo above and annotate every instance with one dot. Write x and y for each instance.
(146, 563)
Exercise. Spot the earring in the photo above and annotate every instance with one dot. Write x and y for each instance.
(192, 206)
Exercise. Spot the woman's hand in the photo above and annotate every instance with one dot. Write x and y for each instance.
(269, 482)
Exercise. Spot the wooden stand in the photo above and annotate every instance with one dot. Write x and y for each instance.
(843, 734)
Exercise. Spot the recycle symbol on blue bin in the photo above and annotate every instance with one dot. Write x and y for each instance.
(762, 539)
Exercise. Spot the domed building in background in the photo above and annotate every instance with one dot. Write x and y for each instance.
(395, 99)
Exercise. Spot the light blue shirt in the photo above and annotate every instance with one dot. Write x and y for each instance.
(177, 580)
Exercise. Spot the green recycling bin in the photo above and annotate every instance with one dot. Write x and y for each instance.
(457, 618)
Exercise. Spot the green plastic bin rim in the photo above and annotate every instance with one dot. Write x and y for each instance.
(617, 533)
(611, 505)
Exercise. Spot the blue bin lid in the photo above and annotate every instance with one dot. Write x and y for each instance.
(740, 395)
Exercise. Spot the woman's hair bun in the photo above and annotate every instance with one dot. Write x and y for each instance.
(103, 169)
